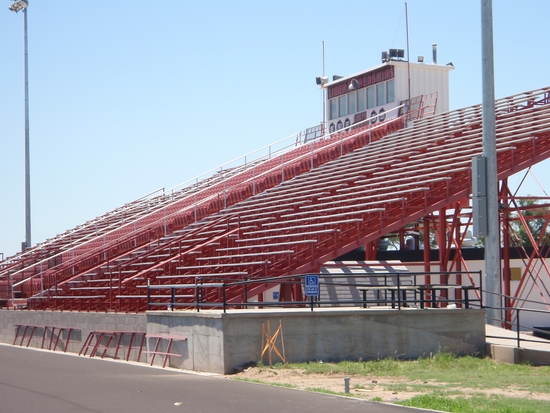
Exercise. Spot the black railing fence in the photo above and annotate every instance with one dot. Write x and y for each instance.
(511, 320)
(395, 290)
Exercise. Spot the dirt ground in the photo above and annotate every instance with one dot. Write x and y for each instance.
(386, 389)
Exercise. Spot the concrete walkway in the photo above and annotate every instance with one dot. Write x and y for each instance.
(44, 381)
(502, 345)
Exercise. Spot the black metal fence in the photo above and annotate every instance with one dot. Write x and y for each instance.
(395, 290)
(511, 320)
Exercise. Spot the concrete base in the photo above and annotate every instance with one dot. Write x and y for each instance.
(219, 343)
(514, 355)
(503, 345)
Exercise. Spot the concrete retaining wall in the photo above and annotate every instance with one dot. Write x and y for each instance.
(515, 355)
(219, 343)
(85, 322)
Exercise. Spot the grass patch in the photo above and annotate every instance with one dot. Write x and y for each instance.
(478, 373)
(476, 404)
(446, 382)
(467, 371)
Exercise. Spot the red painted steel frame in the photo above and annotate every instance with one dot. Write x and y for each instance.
(348, 192)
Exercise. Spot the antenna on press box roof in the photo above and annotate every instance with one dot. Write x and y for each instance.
(408, 50)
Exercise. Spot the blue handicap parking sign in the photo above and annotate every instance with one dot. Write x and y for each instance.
(312, 285)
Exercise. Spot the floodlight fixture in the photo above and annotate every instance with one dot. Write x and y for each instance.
(19, 5)
(321, 80)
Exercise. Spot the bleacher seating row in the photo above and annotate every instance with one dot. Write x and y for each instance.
(137, 223)
(347, 191)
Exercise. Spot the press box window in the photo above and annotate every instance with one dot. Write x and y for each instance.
(371, 102)
(342, 102)
(361, 101)
(333, 108)
(352, 99)
(390, 91)
(380, 94)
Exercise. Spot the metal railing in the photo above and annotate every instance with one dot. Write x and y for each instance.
(510, 320)
(392, 289)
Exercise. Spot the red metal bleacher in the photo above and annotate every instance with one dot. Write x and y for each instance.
(163, 214)
(363, 189)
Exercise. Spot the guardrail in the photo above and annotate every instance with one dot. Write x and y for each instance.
(396, 290)
(511, 317)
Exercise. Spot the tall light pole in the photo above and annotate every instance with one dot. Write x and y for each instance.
(17, 6)
(492, 239)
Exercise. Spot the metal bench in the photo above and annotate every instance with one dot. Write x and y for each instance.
(394, 292)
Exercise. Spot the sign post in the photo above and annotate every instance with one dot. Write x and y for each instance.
(312, 287)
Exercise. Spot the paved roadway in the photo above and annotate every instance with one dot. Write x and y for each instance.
(43, 381)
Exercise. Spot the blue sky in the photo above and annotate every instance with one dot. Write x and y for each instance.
(127, 97)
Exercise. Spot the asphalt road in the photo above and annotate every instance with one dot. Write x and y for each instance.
(42, 381)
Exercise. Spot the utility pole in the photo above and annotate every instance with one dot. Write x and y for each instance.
(492, 239)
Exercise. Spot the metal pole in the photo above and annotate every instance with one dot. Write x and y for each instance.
(11, 292)
(517, 328)
(17, 6)
(408, 52)
(27, 151)
(324, 93)
(148, 294)
(492, 240)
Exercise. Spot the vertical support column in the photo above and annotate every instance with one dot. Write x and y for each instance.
(260, 299)
(370, 251)
(402, 239)
(492, 240)
(442, 241)
(297, 290)
(427, 250)
(506, 267)
(443, 258)
(507, 271)
(459, 236)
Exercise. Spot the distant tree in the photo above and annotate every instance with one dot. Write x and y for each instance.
(480, 241)
(536, 220)
(433, 239)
